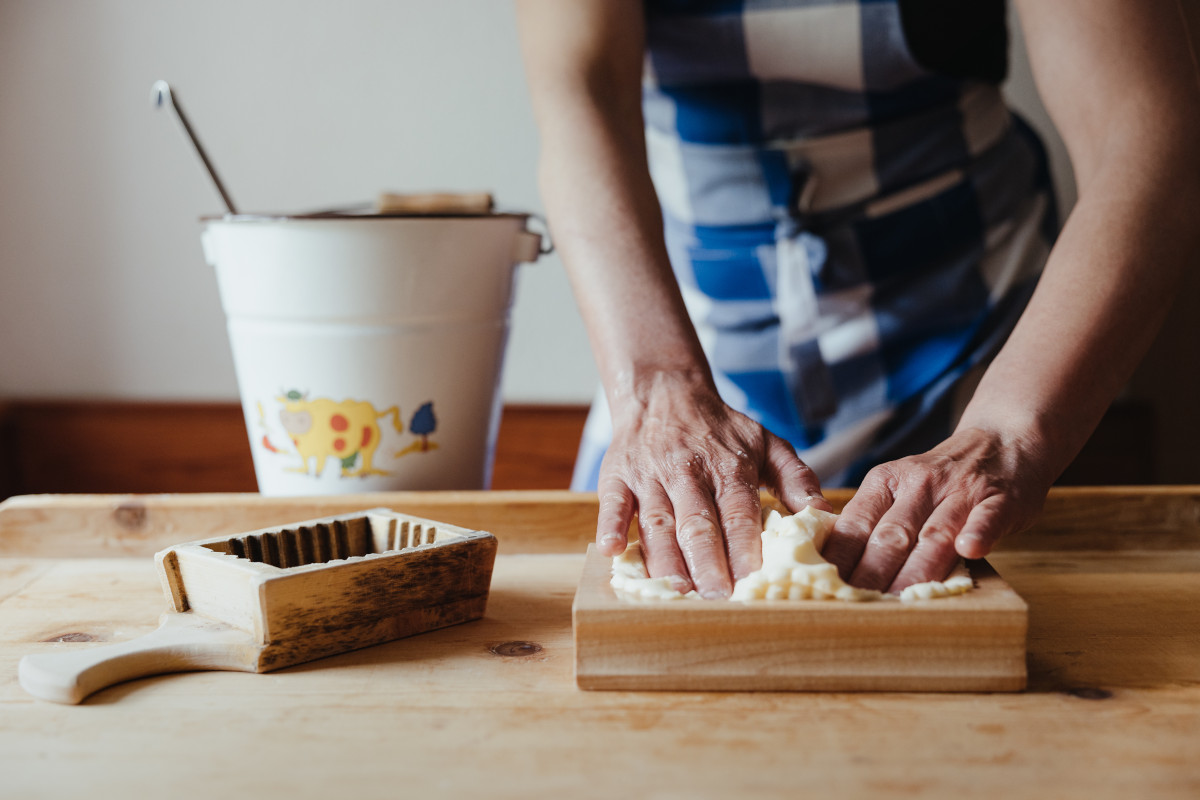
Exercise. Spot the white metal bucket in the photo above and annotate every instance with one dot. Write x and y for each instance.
(369, 349)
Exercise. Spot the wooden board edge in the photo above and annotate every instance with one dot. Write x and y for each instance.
(550, 521)
(1001, 683)
(630, 642)
(98, 526)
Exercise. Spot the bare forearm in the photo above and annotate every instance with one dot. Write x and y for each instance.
(608, 225)
(584, 63)
(1102, 300)
(1113, 273)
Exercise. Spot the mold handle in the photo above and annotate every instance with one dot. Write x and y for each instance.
(182, 643)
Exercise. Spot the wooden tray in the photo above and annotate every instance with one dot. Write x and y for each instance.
(970, 643)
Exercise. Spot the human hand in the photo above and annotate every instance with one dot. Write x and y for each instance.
(911, 519)
(691, 468)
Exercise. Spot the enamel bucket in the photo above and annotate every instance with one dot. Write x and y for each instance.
(369, 349)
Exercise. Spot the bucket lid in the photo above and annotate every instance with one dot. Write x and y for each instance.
(349, 214)
(389, 205)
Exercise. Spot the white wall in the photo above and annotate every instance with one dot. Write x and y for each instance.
(302, 104)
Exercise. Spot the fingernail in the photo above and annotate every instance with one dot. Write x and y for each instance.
(713, 594)
(814, 500)
(970, 543)
(680, 583)
(610, 542)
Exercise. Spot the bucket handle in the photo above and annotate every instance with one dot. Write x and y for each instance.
(531, 245)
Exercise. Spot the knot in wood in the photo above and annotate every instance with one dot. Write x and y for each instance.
(1089, 693)
(131, 515)
(74, 637)
(516, 649)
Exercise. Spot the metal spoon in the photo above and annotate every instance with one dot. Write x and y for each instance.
(160, 93)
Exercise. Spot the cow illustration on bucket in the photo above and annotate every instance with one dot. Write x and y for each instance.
(347, 430)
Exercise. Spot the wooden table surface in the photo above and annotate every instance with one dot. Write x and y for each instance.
(490, 708)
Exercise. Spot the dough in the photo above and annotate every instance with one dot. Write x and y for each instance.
(631, 581)
(958, 582)
(792, 569)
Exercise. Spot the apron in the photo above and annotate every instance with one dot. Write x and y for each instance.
(854, 235)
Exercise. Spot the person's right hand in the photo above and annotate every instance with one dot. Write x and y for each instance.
(691, 468)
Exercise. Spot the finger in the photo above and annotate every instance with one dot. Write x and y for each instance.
(700, 540)
(616, 512)
(656, 524)
(792, 481)
(934, 555)
(988, 521)
(740, 513)
(846, 542)
(892, 539)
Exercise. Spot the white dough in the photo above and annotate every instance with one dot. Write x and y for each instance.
(792, 569)
(959, 582)
(631, 581)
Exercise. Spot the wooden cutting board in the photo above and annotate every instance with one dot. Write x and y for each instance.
(491, 708)
(272, 598)
(970, 643)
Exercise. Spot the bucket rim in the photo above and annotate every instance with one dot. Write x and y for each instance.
(342, 216)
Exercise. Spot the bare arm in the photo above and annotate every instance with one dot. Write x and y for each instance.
(689, 465)
(1119, 80)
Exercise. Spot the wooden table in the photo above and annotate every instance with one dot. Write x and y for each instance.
(490, 709)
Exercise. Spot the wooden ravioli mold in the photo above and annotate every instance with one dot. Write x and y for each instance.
(275, 597)
(973, 642)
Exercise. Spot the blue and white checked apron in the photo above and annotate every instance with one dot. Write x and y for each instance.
(854, 236)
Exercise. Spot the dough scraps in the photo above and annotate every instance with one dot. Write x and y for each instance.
(792, 569)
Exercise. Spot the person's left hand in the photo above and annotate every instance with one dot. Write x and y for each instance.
(911, 519)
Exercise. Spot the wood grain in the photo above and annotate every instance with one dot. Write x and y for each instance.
(183, 642)
(490, 708)
(147, 447)
(122, 446)
(276, 597)
(66, 526)
(971, 643)
(536, 446)
(434, 203)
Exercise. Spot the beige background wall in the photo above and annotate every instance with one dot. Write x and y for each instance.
(302, 104)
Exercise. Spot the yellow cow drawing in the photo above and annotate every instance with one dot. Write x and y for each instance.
(322, 428)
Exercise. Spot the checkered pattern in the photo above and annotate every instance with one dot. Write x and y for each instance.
(854, 236)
